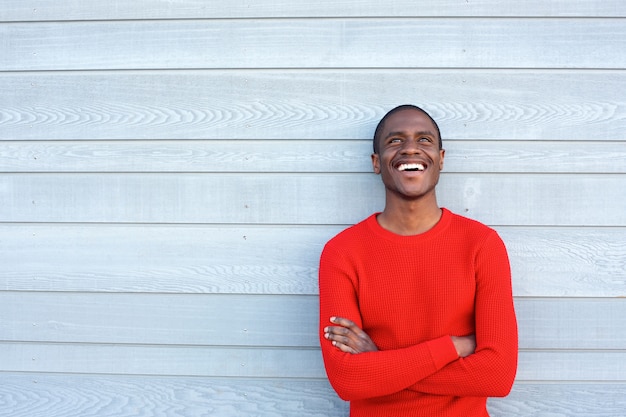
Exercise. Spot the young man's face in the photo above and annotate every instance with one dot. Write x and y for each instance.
(409, 159)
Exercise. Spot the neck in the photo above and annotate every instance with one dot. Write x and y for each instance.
(408, 218)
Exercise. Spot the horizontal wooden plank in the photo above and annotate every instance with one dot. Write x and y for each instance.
(285, 321)
(546, 261)
(49, 395)
(561, 323)
(570, 262)
(266, 362)
(39, 395)
(189, 259)
(310, 104)
(162, 360)
(33, 10)
(215, 320)
(578, 365)
(561, 400)
(299, 156)
(505, 199)
(329, 43)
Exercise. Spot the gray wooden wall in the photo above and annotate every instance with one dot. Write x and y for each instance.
(171, 170)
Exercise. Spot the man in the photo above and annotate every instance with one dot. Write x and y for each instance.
(416, 307)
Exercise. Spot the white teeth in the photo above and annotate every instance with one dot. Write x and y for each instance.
(411, 167)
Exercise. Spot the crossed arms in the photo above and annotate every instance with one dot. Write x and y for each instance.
(482, 364)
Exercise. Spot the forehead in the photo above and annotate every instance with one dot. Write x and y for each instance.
(408, 120)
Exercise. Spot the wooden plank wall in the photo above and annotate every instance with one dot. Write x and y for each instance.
(169, 172)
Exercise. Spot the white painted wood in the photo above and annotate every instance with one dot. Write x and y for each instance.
(158, 240)
(108, 395)
(158, 360)
(561, 400)
(572, 262)
(506, 199)
(267, 362)
(266, 320)
(246, 259)
(571, 323)
(311, 104)
(172, 319)
(572, 365)
(314, 43)
(45, 395)
(300, 156)
(256, 259)
(38, 10)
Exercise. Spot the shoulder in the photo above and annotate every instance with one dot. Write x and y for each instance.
(352, 233)
(465, 223)
(485, 242)
(350, 241)
(472, 229)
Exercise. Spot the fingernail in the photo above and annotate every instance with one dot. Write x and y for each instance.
(326, 335)
(332, 319)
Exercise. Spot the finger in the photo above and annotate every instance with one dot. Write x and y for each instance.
(340, 338)
(348, 324)
(350, 344)
(343, 322)
(343, 347)
(343, 331)
(351, 330)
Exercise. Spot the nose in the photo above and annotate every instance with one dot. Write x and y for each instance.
(411, 147)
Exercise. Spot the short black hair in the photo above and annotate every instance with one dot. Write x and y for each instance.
(381, 124)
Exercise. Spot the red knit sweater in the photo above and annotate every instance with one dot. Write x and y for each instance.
(410, 294)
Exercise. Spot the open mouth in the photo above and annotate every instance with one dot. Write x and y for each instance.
(414, 167)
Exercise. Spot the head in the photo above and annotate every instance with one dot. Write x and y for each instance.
(408, 154)
(381, 124)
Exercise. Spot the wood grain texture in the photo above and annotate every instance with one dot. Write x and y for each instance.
(311, 104)
(266, 321)
(561, 400)
(159, 360)
(506, 199)
(172, 169)
(49, 395)
(299, 156)
(577, 261)
(44, 395)
(267, 362)
(314, 43)
(42, 10)
(254, 259)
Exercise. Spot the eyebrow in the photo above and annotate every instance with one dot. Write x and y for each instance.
(400, 133)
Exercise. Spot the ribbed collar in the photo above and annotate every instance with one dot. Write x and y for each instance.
(442, 224)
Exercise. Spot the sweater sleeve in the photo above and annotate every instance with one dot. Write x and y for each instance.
(490, 370)
(370, 374)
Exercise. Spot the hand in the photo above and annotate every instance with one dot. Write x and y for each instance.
(465, 345)
(348, 337)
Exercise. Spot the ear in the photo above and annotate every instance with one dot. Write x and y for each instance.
(376, 163)
(442, 153)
